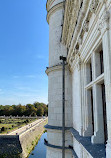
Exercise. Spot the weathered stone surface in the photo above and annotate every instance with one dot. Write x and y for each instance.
(84, 27)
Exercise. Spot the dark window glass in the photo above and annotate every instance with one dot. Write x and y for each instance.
(101, 62)
(104, 112)
(92, 110)
(90, 71)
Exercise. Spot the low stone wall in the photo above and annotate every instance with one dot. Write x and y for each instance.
(29, 139)
(10, 146)
(16, 146)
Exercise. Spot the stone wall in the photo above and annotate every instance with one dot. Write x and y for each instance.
(30, 138)
(16, 146)
(10, 146)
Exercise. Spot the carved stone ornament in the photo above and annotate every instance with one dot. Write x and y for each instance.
(70, 61)
(75, 61)
(104, 21)
(85, 25)
(80, 40)
(78, 61)
(94, 5)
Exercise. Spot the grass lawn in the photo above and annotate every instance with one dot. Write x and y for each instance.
(12, 124)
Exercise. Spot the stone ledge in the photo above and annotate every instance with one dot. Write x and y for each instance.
(60, 148)
(56, 127)
(55, 68)
(95, 150)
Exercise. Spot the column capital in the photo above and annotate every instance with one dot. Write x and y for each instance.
(103, 23)
(93, 5)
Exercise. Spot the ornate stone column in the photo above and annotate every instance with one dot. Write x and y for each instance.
(105, 27)
(55, 11)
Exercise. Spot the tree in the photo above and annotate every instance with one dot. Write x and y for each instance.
(27, 110)
(40, 111)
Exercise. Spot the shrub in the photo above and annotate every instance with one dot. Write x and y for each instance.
(3, 129)
(26, 121)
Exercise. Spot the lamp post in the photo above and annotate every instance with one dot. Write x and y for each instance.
(63, 105)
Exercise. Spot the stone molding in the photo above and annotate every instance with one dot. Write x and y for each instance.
(72, 38)
(55, 68)
(60, 148)
(77, 29)
(94, 5)
(103, 23)
(56, 127)
(48, 4)
(76, 14)
(95, 150)
(85, 25)
(54, 146)
(54, 9)
(70, 18)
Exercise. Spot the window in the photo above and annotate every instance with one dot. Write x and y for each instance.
(92, 110)
(89, 71)
(99, 64)
(89, 97)
(95, 98)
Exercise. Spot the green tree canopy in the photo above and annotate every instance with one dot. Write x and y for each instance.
(26, 110)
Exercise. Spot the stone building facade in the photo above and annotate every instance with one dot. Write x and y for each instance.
(81, 31)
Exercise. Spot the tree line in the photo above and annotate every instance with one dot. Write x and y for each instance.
(39, 109)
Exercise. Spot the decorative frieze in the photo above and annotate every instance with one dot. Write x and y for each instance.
(94, 5)
(103, 22)
(80, 40)
(85, 25)
(75, 60)
(72, 9)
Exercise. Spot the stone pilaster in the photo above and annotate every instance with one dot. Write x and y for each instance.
(105, 27)
(98, 137)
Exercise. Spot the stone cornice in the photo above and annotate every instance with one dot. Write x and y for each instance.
(55, 68)
(48, 4)
(54, 9)
(103, 23)
(67, 27)
(55, 127)
(82, 25)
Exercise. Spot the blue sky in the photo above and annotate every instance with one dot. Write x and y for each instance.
(23, 51)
